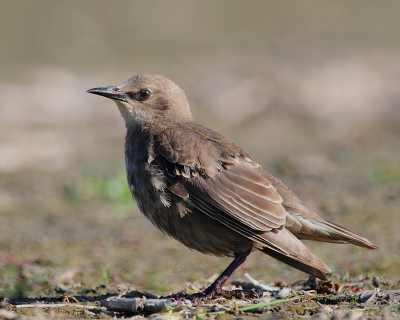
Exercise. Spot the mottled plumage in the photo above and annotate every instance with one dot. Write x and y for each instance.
(203, 190)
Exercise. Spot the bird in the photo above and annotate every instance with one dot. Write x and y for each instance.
(203, 190)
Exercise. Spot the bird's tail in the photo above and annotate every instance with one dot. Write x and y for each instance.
(326, 231)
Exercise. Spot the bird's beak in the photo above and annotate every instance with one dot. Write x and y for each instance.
(111, 92)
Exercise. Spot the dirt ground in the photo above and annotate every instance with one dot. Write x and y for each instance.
(326, 122)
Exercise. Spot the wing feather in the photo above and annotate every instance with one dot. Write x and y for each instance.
(220, 174)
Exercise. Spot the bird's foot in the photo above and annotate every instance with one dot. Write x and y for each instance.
(215, 289)
(210, 293)
(238, 294)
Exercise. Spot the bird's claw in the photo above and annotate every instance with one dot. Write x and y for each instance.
(219, 293)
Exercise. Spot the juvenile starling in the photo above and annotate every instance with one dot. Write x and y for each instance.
(203, 190)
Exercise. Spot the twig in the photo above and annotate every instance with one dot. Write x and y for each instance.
(137, 304)
(57, 305)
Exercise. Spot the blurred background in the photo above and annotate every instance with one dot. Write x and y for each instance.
(310, 89)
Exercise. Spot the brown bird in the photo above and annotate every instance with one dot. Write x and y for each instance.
(203, 190)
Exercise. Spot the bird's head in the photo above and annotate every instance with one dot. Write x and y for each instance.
(148, 100)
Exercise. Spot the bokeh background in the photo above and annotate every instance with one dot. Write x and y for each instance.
(310, 89)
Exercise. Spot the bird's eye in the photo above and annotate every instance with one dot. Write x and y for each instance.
(144, 94)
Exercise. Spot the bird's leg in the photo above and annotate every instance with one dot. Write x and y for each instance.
(215, 289)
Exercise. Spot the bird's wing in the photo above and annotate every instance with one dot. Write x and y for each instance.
(224, 182)
(219, 178)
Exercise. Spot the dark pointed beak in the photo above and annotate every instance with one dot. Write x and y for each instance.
(111, 92)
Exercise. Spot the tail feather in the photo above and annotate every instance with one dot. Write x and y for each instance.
(348, 236)
(326, 231)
